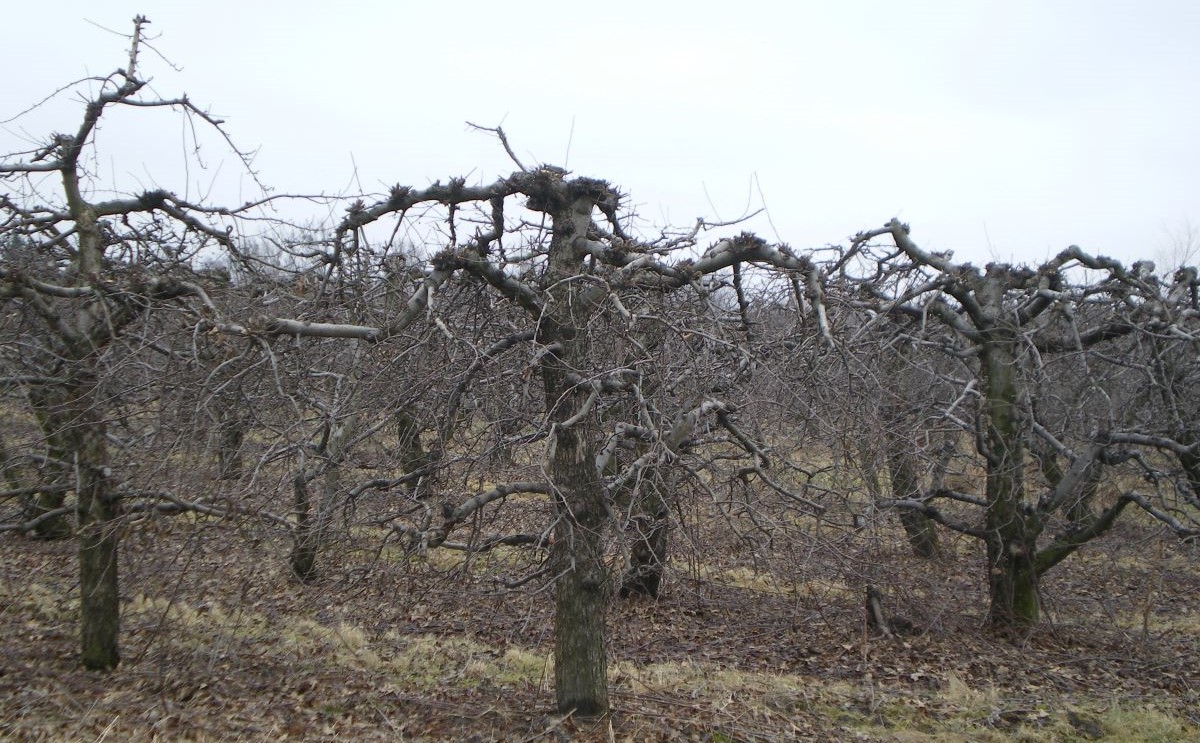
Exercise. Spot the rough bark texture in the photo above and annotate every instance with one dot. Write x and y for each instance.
(96, 508)
(581, 593)
(312, 525)
(646, 497)
(1011, 532)
(410, 451)
(229, 447)
(53, 428)
(1191, 468)
(313, 520)
(97, 511)
(303, 557)
(582, 586)
(906, 484)
(648, 553)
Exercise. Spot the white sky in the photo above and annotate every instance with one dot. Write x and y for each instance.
(1000, 130)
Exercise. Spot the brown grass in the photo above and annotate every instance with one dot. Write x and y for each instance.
(748, 644)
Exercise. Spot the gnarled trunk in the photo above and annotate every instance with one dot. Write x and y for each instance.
(97, 511)
(411, 452)
(231, 434)
(577, 557)
(306, 535)
(54, 426)
(906, 484)
(1011, 528)
(648, 553)
(312, 520)
(582, 588)
(76, 443)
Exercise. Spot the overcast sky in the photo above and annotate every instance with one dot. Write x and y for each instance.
(1000, 130)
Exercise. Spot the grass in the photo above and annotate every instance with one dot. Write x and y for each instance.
(219, 644)
(949, 709)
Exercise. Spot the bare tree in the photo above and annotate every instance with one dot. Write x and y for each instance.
(572, 279)
(535, 344)
(1003, 322)
(104, 265)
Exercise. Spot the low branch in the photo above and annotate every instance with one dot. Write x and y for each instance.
(383, 483)
(451, 517)
(1158, 442)
(1166, 518)
(1074, 538)
(763, 461)
(815, 507)
(175, 504)
(34, 490)
(283, 326)
(541, 541)
(959, 496)
(526, 579)
(933, 513)
(40, 519)
(473, 504)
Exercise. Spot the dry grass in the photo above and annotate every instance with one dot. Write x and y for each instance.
(219, 644)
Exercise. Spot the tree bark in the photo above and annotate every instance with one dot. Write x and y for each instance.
(581, 592)
(1191, 470)
(312, 521)
(648, 554)
(303, 558)
(97, 511)
(906, 484)
(410, 451)
(231, 434)
(53, 427)
(922, 534)
(1011, 531)
(577, 556)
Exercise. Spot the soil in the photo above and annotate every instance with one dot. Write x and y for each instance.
(219, 643)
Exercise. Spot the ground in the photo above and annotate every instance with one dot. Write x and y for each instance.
(219, 644)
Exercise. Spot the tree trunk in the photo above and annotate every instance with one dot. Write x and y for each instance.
(97, 512)
(1013, 586)
(648, 554)
(312, 524)
(922, 534)
(1191, 470)
(1011, 531)
(411, 452)
(900, 454)
(502, 454)
(47, 410)
(906, 484)
(75, 433)
(577, 557)
(303, 558)
(581, 592)
(229, 447)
